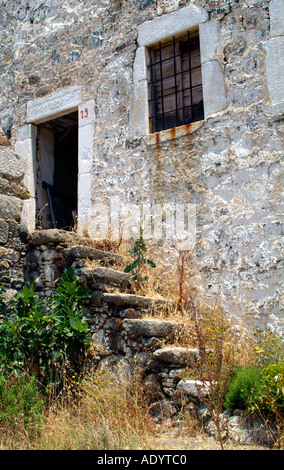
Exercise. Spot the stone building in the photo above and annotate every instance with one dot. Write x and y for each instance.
(161, 113)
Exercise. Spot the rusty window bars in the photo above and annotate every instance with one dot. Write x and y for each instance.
(175, 83)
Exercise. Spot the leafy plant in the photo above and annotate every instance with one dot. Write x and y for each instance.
(139, 261)
(68, 300)
(2, 303)
(40, 334)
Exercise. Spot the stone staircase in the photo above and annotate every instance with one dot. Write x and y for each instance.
(122, 337)
(127, 339)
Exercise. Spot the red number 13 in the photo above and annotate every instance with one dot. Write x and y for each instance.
(84, 113)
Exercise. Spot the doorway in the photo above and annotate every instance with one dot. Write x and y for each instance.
(57, 173)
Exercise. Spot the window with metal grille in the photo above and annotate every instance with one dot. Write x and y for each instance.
(175, 83)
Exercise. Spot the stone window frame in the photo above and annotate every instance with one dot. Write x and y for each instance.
(274, 61)
(46, 108)
(213, 82)
(175, 89)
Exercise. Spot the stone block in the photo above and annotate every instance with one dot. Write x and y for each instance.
(107, 275)
(133, 300)
(276, 13)
(194, 388)
(41, 237)
(54, 104)
(139, 124)
(274, 62)
(176, 355)
(170, 24)
(12, 166)
(86, 148)
(145, 327)
(10, 207)
(82, 251)
(4, 231)
(208, 48)
(214, 93)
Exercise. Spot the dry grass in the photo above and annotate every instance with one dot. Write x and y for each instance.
(104, 416)
(93, 412)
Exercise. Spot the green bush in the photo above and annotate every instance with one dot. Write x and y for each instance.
(42, 334)
(20, 400)
(242, 389)
(257, 389)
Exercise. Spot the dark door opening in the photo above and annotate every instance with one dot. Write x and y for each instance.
(57, 161)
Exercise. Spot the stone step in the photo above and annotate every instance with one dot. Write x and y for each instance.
(176, 355)
(42, 237)
(130, 300)
(193, 387)
(81, 251)
(106, 276)
(151, 327)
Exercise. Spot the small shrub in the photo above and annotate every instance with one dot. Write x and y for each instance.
(242, 389)
(257, 389)
(271, 393)
(268, 347)
(139, 261)
(20, 400)
(215, 363)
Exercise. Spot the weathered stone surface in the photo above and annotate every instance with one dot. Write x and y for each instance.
(43, 107)
(118, 370)
(41, 237)
(276, 13)
(11, 165)
(214, 88)
(99, 340)
(4, 231)
(274, 63)
(162, 409)
(107, 275)
(155, 30)
(230, 167)
(176, 355)
(146, 327)
(13, 188)
(131, 313)
(244, 430)
(123, 299)
(82, 251)
(10, 207)
(9, 255)
(194, 388)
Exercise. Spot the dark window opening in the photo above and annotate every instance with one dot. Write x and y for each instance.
(175, 83)
(57, 172)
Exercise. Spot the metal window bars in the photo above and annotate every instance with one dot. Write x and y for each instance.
(175, 83)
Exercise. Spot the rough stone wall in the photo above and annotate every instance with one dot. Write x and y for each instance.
(12, 233)
(230, 167)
